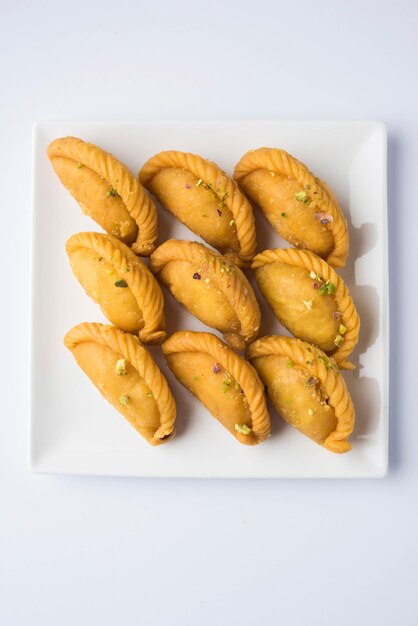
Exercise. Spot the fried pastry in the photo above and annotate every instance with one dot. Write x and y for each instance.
(222, 381)
(205, 199)
(106, 191)
(114, 277)
(127, 376)
(306, 389)
(210, 287)
(309, 299)
(299, 206)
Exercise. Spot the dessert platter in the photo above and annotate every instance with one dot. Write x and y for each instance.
(200, 301)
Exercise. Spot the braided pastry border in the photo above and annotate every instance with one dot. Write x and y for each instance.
(240, 369)
(238, 288)
(141, 282)
(283, 163)
(137, 202)
(330, 380)
(208, 171)
(133, 351)
(313, 263)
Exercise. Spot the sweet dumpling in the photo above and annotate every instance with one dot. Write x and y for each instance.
(299, 206)
(224, 383)
(114, 277)
(210, 287)
(204, 198)
(309, 299)
(106, 191)
(127, 376)
(306, 390)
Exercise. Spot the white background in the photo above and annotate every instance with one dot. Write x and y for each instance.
(92, 551)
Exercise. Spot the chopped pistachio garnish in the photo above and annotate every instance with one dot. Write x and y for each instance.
(272, 173)
(308, 187)
(226, 383)
(112, 192)
(120, 367)
(237, 387)
(121, 283)
(127, 268)
(123, 400)
(289, 362)
(243, 429)
(308, 304)
(342, 329)
(315, 276)
(330, 365)
(232, 222)
(150, 394)
(197, 377)
(199, 182)
(79, 165)
(223, 198)
(339, 340)
(311, 381)
(302, 196)
(283, 214)
(328, 288)
(310, 412)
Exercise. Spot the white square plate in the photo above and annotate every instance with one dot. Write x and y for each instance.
(73, 430)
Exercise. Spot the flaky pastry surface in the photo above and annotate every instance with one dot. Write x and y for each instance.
(127, 376)
(310, 299)
(306, 388)
(300, 207)
(211, 287)
(224, 382)
(114, 277)
(107, 191)
(206, 199)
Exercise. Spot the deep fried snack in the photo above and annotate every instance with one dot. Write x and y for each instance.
(224, 383)
(299, 206)
(114, 277)
(309, 299)
(206, 199)
(107, 192)
(306, 389)
(127, 376)
(210, 287)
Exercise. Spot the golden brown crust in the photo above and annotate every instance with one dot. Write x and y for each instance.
(313, 263)
(131, 349)
(227, 277)
(280, 162)
(240, 369)
(325, 371)
(137, 202)
(232, 197)
(139, 279)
